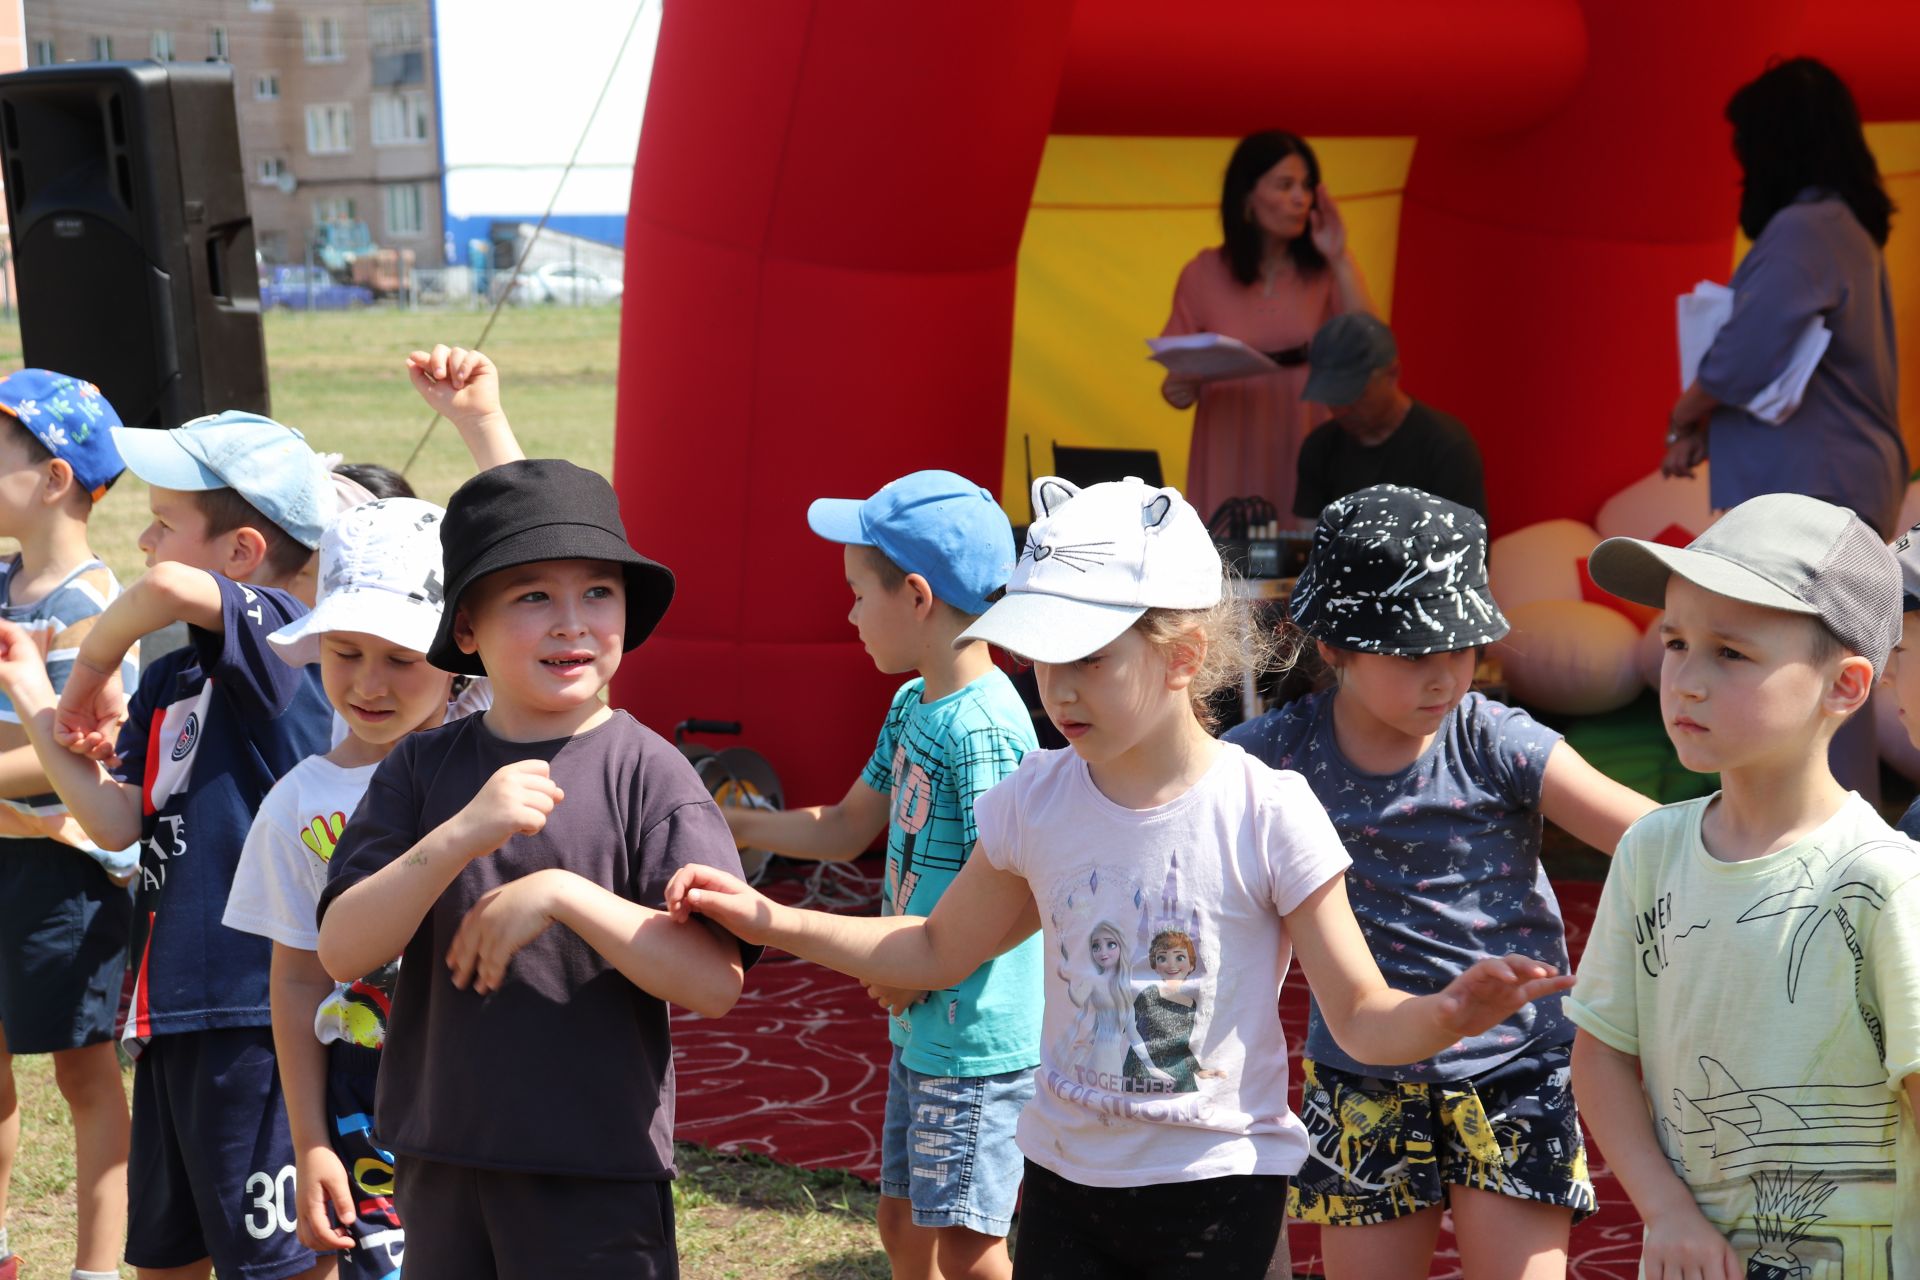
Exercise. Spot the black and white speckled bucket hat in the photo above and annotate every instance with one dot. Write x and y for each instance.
(1398, 571)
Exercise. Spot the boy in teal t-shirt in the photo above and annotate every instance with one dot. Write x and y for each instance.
(922, 556)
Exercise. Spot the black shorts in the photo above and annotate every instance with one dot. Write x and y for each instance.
(211, 1172)
(465, 1223)
(1384, 1149)
(378, 1241)
(1231, 1228)
(63, 946)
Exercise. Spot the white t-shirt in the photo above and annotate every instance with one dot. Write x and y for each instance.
(283, 868)
(1149, 1074)
(1774, 1005)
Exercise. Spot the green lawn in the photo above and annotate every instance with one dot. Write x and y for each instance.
(338, 377)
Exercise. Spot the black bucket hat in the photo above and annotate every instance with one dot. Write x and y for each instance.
(539, 509)
(1398, 571)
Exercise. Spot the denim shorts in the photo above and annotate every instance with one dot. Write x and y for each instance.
(948, 1146)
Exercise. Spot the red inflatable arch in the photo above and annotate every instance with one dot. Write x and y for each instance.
(827, 208)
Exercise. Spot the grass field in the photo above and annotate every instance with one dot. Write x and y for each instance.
(338, 378)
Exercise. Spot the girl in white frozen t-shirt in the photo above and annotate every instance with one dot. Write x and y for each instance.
(1146, 828)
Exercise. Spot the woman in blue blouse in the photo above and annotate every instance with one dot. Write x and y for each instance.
(1813, 205)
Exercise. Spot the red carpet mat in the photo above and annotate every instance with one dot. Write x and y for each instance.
(798, 1072)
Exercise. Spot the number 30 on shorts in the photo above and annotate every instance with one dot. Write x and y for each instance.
(270, 1203)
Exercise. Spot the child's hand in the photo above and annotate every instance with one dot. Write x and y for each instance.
(462, 386)
(320, 1184)
(728, 901)
(501, 922)
(92, 709)
(514, 802)
(21, 662)
(895, 1000)
(1493, 990)
(1684, 1244)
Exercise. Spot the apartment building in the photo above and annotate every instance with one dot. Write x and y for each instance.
(336, 98)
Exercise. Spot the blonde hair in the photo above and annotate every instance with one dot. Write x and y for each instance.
(1237, 642)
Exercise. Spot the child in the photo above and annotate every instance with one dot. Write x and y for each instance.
(378, 610)
(239, 503)
(923, 556)
(65, 910)
(1146, 827)
(1749, 1001)
(1903, 673)
(1437, 793)
(532, 1108)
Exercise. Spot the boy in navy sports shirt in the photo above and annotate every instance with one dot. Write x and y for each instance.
(239, 503)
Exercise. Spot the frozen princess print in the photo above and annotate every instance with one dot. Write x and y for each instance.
(1104, 1045)
(1164, 1014)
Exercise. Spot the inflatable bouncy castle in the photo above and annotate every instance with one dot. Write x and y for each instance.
(869, 237)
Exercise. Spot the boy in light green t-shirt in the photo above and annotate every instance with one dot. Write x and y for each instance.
(923, 556)
(1749, 1000)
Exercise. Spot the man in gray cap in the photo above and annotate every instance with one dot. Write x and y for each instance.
(1379, 434)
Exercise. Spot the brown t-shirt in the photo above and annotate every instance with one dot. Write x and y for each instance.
(567, 1068)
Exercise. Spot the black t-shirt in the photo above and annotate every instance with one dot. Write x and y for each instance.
(567, 1068)
(1430, 450)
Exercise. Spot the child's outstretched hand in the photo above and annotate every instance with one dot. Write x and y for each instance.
(895, 1000)
(21, 662)
(514, 802)
(501, 922)
(1494, 989)
(92, 709)
(325, 1197)
(461, 385)
(728, 901)
(1684, 1244)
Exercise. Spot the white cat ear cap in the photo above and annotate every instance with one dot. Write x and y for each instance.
(1397, 571)
(1095, 560)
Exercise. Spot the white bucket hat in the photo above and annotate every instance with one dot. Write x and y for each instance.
(379, 575)
(1095, 561)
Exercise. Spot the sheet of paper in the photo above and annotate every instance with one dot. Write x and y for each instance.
(1699, 317)
(1209, 357)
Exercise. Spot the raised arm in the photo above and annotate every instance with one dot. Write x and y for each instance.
(1375, 1023)
(828, 832)
(1586, 803)
(972, 922)
(92, 706)
(464, 387)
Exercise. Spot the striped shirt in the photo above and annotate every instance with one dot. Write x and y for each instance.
(58, 621)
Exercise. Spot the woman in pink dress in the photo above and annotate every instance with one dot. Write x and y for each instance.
(1283, 272)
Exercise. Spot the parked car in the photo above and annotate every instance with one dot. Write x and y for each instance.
(298, 287)
(567, 285)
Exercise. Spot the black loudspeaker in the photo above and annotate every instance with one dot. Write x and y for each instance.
(132, 244)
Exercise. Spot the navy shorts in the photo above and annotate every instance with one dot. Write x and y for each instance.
(378, 1241)
(465, 1223)
(63, 946)
(211, 1172)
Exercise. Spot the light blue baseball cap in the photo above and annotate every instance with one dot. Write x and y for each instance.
(266, 462)
(937, 524)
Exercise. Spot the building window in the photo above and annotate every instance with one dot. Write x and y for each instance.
(162, 46)
(329, 129)
(266, 87)
(41, 54)
(102, 47)
(400, 119)
(260, 6)
(271, 171)
(332, 209)
(393, 24)
(217, 44)
(404, 211)
(325, 39)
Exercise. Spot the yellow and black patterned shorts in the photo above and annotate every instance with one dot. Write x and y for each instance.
(1382, 1149)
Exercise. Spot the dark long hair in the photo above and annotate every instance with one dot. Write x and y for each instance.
(1245, 241)
(1794, 127)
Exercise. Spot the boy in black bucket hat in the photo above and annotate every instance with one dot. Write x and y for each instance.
(527, 1088)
